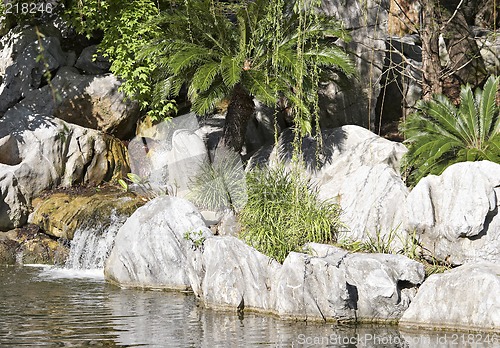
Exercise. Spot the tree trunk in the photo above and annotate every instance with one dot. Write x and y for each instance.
(240, 110)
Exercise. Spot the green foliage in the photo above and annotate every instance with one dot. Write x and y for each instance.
(220, 184)
(410, 247)
(283, 213)
(202, 48)
(196, 238)
(440, 133)
(124, 36)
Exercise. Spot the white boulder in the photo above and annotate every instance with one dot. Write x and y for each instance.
(40, 152)
(456, 214)
(159, 246)
(465, 298)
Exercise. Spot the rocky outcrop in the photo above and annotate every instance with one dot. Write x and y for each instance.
(383, 284)
(60, 214)
(331, 284)
(40, 152)
(159, 247)
(165, 244)
(169, 155)
(30, 245)
(456, 214)
(20, 68)
(465, 298)
(92, 62)
(312, 288)
(351, 101)
(89, 101)
(230, 282)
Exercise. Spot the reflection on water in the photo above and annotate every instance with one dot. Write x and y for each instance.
(41, 306)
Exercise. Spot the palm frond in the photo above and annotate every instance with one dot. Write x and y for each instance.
(231, 68)
(187, 57)
(468, 115)
(488, 109)
(205, 102)
(256, 82)
(440, 134)
(204, 76)
(332, 56)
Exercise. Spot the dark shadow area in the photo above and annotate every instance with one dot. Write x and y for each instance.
(9, 151)
(314, 155)
(487, 221)
(18, 120)
(353, 296)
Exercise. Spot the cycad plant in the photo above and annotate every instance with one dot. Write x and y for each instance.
(440, 133)
(268, 50)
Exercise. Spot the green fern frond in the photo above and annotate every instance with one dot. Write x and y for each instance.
(204, 76)
(205, 102)
(187, 57)
(231, 68)
(332, 56)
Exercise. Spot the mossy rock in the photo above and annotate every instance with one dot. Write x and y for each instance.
(8, 251)
(29, 245)
(60, 214)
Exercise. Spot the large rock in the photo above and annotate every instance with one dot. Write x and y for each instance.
(236, 275)
(30, 245)
(60, 214)
(456, 214)
(159, 246)
(88, 101)
(363, 177)
(20, 69)
(169, 154)
(465, 298)
(335, 285)
(312, 288)
(383, 284)
(40, 152)
(92, 62)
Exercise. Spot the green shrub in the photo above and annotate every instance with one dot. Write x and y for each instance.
(283, 213)
(440, 134)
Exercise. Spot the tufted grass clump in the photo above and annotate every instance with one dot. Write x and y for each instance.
(220, 184)
(283, 213)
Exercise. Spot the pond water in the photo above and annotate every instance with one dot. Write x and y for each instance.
(43, 306)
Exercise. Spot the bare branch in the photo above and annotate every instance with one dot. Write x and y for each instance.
(452, 16)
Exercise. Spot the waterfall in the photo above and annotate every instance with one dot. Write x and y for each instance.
(92, 243)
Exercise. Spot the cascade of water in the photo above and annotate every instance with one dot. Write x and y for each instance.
(92, 243)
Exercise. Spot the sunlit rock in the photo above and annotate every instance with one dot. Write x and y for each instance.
(465, 298)
(60, 214)
(456, 215)
(336, 285)
(236, 276)
(169, 155)
(159, 246)
(86, 100)
(42, 152)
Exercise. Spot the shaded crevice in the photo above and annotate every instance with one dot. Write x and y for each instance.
(352, 302)
(487, 221)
